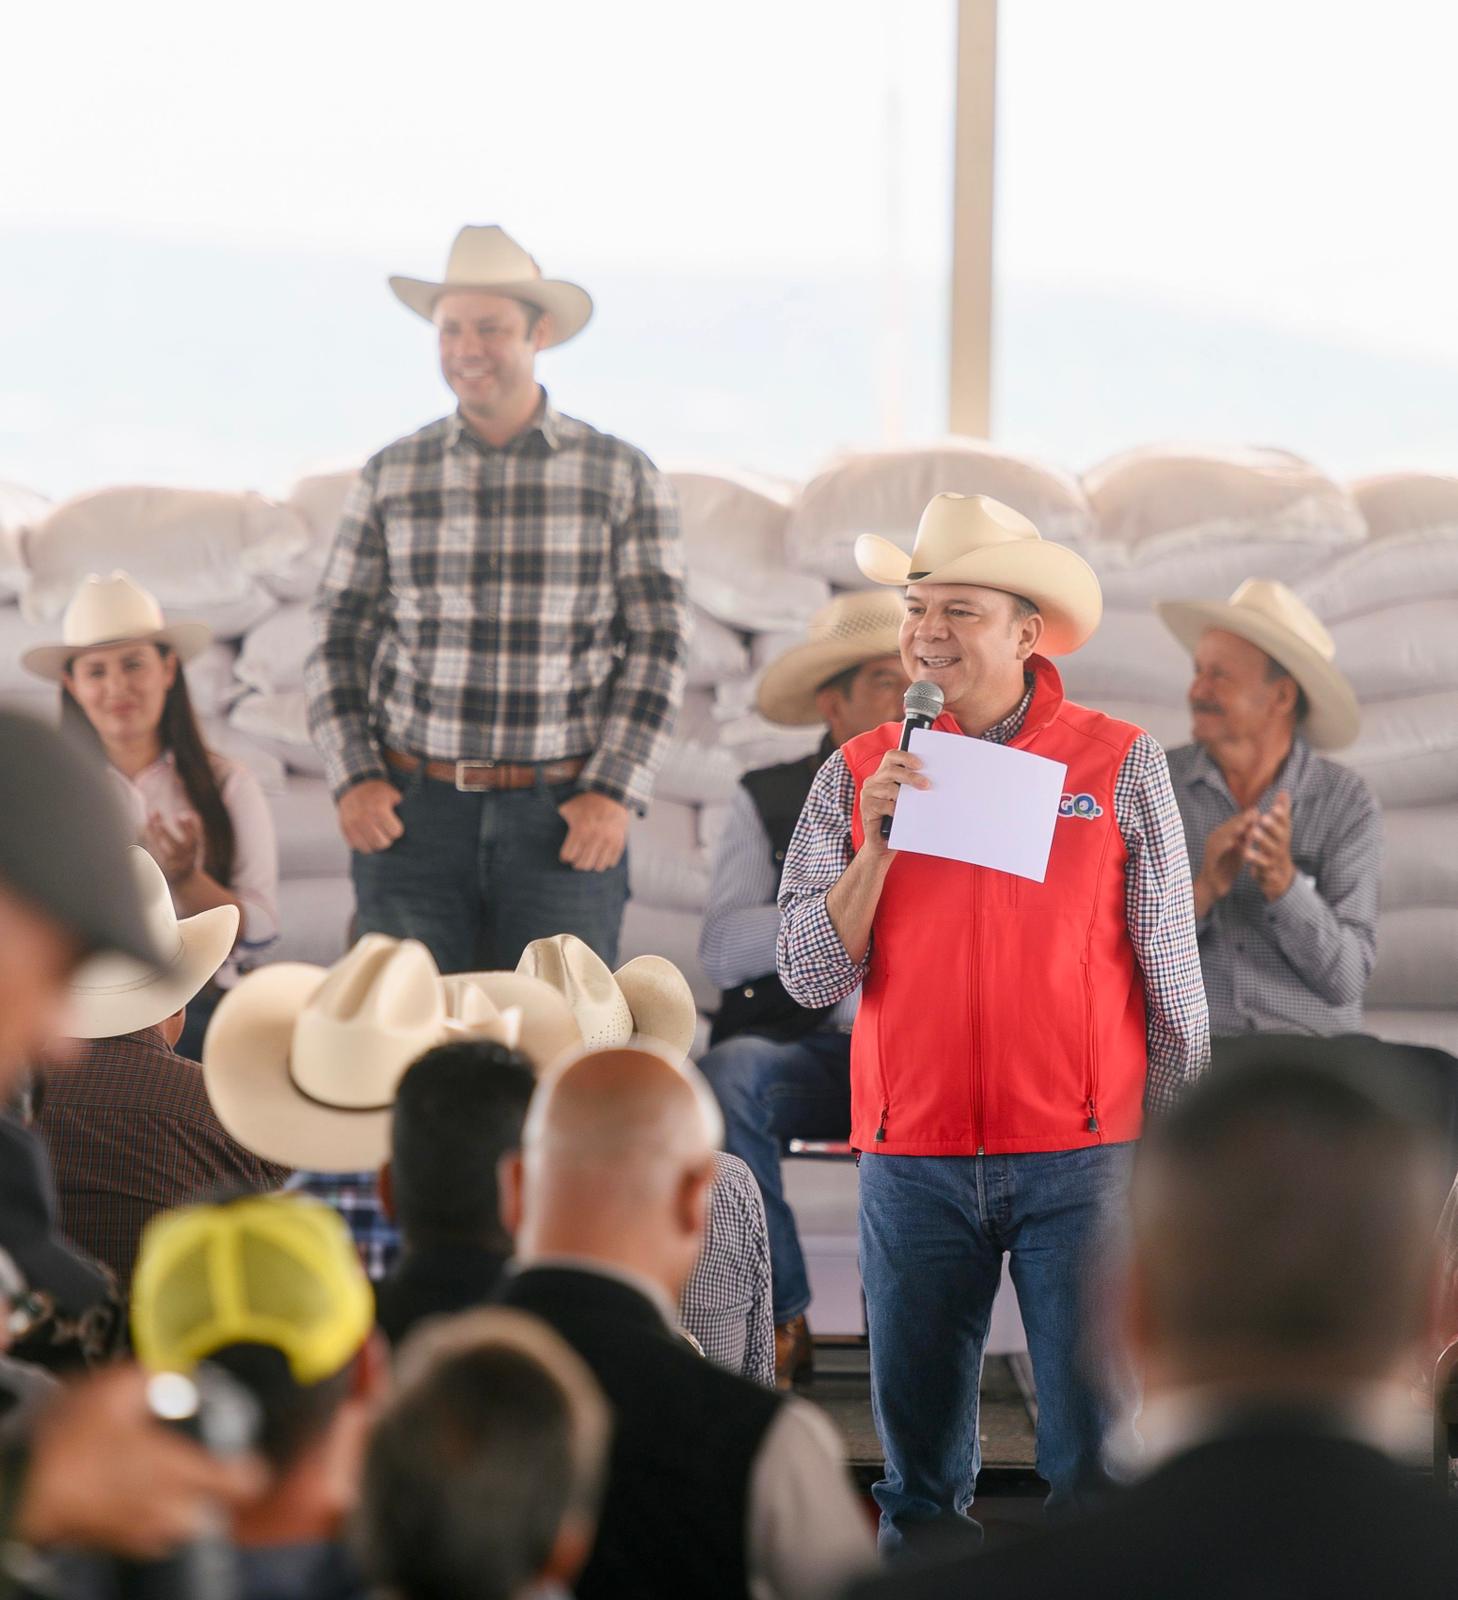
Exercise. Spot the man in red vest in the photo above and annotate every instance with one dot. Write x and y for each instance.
(1011, 1033)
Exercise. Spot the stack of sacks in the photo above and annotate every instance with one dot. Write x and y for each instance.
(1392, 608)
(743, 597)
(886, 491)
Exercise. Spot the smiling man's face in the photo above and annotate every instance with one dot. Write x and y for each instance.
(969, 641)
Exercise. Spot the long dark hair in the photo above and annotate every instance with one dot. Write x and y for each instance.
(180, 734)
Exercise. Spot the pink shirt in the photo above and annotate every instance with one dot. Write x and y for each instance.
(157, 791)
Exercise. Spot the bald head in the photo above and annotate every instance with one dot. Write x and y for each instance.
(616, 1161)
(622, 1108)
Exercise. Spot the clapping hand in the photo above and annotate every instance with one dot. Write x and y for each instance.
(1268, 850)
(176, 848)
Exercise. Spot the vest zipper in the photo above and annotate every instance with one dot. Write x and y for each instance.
(881, 1131)
(1091, 1044)
(974, 1033)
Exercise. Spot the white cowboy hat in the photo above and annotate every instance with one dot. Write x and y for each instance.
(115, 994)
(302, 1063)
(852, 629)
(974, 539)
(1268, 615)
(113, 610)
(490, 261)
(546, 1028)
(649, 996)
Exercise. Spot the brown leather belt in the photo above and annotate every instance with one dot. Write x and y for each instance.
(472, 776)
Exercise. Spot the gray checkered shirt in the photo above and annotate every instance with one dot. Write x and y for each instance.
(726, 1302)
(523, 603)
(1299, 964)
(1158, 905)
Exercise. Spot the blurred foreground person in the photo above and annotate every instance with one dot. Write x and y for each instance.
(1286, 846)
(717, 1486)
(203, 818)
(125, 1118)
(269, 1289)
(485, 1474)
(96, 1469)
(1282, 1284)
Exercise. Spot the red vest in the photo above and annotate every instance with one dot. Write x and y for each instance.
(998, 1014)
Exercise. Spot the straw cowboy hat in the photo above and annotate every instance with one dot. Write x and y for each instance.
(1268, 615)
(649, 996)
(852, 629)
(116, 994)
(302, 1062)
(113, 610)
(490, 261)
(546, 1028)
(974, 539)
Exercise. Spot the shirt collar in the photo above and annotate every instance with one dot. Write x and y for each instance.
(1011, 726)
(1378, 1415)
(546, 422)
(1289, 776)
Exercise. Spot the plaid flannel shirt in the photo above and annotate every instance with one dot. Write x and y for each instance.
(523, 603)
(1158, 905)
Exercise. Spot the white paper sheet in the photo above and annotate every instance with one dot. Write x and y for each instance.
(988, 804)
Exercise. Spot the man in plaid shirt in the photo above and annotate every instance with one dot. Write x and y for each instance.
(501, 639)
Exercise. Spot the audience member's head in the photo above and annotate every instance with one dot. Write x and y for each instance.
(270, 1288)
(112, 995)
(1283, 1233)
(616, 1163)
(459, 1109)
(65, 887)
(847, 674)
(485, 1473)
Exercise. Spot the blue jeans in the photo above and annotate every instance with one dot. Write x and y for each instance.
(475, 877)
(933, 1233)
(771, 1091)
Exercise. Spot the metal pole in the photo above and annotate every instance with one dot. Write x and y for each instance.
(969, 408)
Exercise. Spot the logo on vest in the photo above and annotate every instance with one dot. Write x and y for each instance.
(1080, 805)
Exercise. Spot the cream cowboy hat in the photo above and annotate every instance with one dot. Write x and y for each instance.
(852, 629)
(115, 994)
(546, 1028)
(1268, 615)
(649, 996)
(490, 261)
(302, 1063)
(974, 539)
(113, 610)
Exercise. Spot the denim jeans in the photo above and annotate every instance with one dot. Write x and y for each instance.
(475, 877)
(771, 1091)
(934, 1230)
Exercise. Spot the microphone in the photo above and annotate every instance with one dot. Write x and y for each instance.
(921, 707)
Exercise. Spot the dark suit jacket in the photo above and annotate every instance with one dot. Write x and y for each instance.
(1272, 1513)
(686, 1434)
(435, 1280)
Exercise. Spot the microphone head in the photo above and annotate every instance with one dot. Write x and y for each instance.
(924, 700)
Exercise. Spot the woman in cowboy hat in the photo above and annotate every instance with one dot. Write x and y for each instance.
(1287, 846)
(201, 816)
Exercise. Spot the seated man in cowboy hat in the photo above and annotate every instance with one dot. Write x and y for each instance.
(780, 1069)
(1011, 1032)
(725, 1304)
(501, 646)
(1288, 845)
(126, 1120)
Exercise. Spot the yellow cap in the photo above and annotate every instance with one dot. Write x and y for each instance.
(276, 1270)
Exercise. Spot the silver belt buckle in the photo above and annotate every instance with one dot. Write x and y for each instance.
(463, 779)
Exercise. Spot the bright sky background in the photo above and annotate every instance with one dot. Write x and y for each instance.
(1243, 195)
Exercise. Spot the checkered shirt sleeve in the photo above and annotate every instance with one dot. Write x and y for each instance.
(726, 1303)
(355, 1196)
(1159, 908)
(521, 604)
